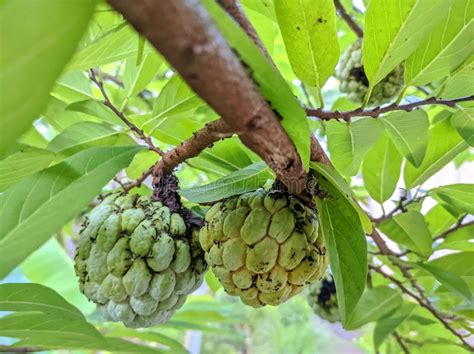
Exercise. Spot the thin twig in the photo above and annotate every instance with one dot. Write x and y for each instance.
(402, 205)
(431, 309)
(400, 342)
(443, 235)
(138, 182)
(457, 226)
(375, 112)
(348, 18)
(11, 349)
(143, 94)
(121, 115)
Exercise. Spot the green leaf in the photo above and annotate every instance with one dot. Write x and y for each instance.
(332, 176)
(347, 247)
(463, 121)
(349, 142)
(43, 329)
(461, 234)
(409, 133)
(212, 282)
(448, 45)
(22, 164)
(393, 30)
(439, 220)
(459, 83)
(117, 44)
(375, 303)
(409, 229)
(444, 143)
(55, 332)
(465, 245)
(457, 263)
(33, 209)
(266, 28)
(96, 109)
(80, 133)
(381, 169)
(238, 182)
(34, 53)
(35, 297)
(385, 326)
(141, 162)
(263, 7)
(59, 117)
(175, 98)
(271, 84)
(451, 280)
(458, 196)
(43, 318)
(174, 346)
(137, 76)
(72, 87)
(310, 37)
(37, 268)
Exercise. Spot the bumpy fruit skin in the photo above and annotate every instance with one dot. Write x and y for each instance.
(354, 82)
(137, 261)
(263, 246)
(322, 299)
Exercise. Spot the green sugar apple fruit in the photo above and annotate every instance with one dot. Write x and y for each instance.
(263, 246)
(137, 260)
(322, 299)
(354, 82)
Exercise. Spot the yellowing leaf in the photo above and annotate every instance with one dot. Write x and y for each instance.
(309, 33)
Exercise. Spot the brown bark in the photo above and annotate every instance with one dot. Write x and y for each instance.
(234, 9)
(192, 147)
(377, 111)
(184, 34)
(348, 18)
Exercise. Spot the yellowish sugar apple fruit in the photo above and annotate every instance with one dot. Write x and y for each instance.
(137, 260)
(263, 246)
(322, 299)
(354, 82)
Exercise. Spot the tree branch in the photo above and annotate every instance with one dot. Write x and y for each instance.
(234, 9)
(190, 148)
(107, 102)
(186, 36)
(375, 112)
(12, 349)
(348, 18)
(423, 304)
(143, 95)
(200, 140)
(400, 342)
(457, 226)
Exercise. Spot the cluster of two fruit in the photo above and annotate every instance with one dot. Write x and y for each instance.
(138, 260)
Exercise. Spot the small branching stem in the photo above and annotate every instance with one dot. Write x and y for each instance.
(401, 342)
(422, 303)
(108, 103)
(376, 112)
(348, 18)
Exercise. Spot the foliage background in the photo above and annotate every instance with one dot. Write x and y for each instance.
(70, 147)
